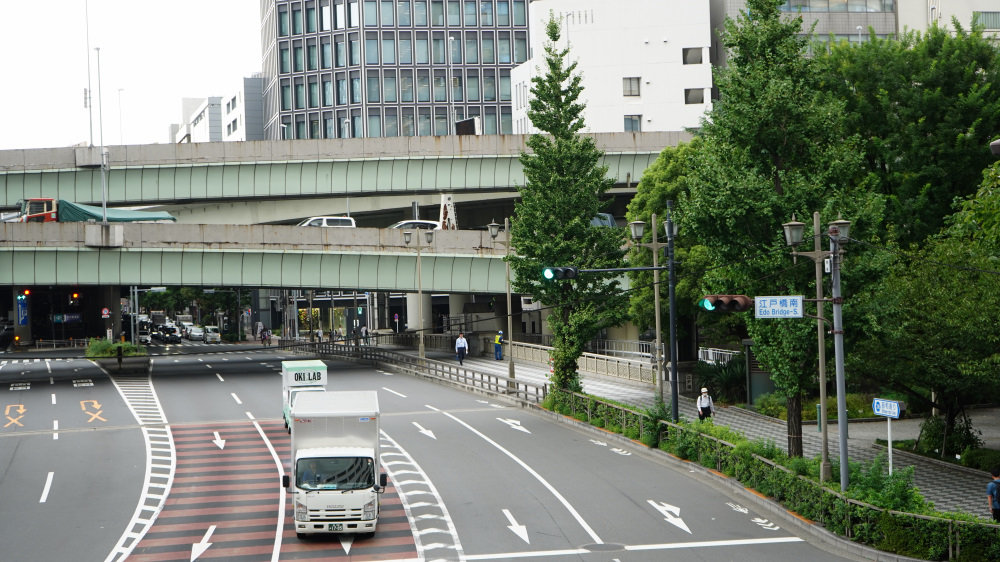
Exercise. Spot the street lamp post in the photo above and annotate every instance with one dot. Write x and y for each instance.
(818, 256)
(494, 231)
(637, 228)
(407, 237)
(671, 229)
(837, 231)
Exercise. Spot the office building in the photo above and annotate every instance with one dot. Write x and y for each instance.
(238, 116)
(648, 73)
(373, 68)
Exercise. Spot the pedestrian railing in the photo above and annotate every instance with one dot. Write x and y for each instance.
(442, 370)
(713, 355)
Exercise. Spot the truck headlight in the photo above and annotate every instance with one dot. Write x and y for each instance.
(369, 512)
(301, 512)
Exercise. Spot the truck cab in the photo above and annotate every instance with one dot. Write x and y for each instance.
(298, 377)
(40, 209)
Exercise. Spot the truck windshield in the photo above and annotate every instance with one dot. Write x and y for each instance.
(346, 473)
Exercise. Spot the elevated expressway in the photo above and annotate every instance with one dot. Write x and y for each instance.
(274, 182)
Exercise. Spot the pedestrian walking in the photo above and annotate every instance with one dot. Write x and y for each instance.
(461, 348)
(498, 346)
(706, 407)
(320, 334)
(364, 335)
(993, 493)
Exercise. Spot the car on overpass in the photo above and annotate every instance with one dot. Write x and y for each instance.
(329, 222)
(417, 224)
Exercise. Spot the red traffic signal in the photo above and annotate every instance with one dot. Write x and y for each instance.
(726, 303)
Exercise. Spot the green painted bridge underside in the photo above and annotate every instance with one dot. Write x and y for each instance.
(250, 268)
(162, 184)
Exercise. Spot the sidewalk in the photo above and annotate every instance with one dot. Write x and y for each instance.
(950, 487)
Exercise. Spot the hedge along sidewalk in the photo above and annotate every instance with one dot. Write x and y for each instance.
(906, 534)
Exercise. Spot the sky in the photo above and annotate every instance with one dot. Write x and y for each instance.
(152, 54)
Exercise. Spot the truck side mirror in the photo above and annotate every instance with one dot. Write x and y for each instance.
(284, 481)
(383, 480)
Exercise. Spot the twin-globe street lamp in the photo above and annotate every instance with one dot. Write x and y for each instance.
(494, 231)
(837, 231)
(407, 237)
(637, 228)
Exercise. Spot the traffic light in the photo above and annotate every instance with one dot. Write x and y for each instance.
(725, 303)
(551, 273)
(74, 298)
(24, 294)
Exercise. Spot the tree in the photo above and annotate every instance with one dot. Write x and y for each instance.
(663, 181)
(925, 117)
(774, 145)
(931, 329)
(562, 193)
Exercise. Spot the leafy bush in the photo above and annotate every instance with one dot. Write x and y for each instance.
(982, 459)
(103, 348)
(772, 405)
(873, 484)
(727, 381)
(964, 436)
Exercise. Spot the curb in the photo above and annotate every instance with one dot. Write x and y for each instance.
(820, 536)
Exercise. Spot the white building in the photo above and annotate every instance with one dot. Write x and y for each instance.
(236, 117)
(644, 63)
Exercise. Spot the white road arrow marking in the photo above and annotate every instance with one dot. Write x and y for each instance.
(199, 548)
(621, 452)
(765, 524)
(671, 514)
(346, 541)
(514, 424)
(519, 530)
(599, 443)
(738, 507)
(426, 432)
(219, 442)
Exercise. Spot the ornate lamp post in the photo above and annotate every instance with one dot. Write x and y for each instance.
(837, 231)
(494, 231)
(407, 237)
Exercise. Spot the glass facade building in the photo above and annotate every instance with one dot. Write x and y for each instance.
(383, 68)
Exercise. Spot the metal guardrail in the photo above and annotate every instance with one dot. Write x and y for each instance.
(443, 370)
(713, 355)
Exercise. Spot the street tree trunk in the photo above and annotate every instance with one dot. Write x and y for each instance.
(795, 425)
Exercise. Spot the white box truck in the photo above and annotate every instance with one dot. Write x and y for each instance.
(336, 478)
(298, 377)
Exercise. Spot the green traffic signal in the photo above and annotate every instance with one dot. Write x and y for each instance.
(706, 304)
(550, 273)
(726, 303)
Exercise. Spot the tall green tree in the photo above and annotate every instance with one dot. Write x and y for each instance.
(932, 327)
(774, 145)
(925, 117)
(562, 193)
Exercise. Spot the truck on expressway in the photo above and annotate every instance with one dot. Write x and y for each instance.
(298, 377)
(46, 209)
(336, 477)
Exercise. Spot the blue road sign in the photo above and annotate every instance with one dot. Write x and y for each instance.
(885, 408)
(778, 307)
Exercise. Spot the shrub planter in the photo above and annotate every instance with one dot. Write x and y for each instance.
(131, 365)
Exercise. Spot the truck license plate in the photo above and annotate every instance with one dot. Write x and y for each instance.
(336, 526)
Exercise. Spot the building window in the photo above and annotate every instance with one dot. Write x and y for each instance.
(314, 94)
(312, 57)
(286, 97)
(389, 89)
(504, 85)
(470, 13)
(329, 129)
(421, 48)
(692, 55)
(403, 15)
(503, 47)
(989, 20)
(299, 63)
(326, 56)
(310, 20)
(314, 129)
(297, 22)
(371, 50)
(471, 49)
(388, 11)
(486, 12)
(633, 123)
(374, 125)
(355, 51)
(488, 57)
(341, 91)
(437, 45)
(405, 86)
(419, 18)
(391, 123)
(300, 130)
(327, 92)
(405, 49)
(340, 52)
(630, 86)
(437, 13)
(423, 86)
(454, 13)
(355, 89)
(284, 61)
(371, 13)
(440, 92)
(388, 50)
(503, 12)
(472, 87)
(520, 47)
(300, 96)
(282, 24)
(694, 96)
(373, 90)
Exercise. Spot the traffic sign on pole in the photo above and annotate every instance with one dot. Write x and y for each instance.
(778, 307)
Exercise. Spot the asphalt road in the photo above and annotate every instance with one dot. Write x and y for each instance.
(471, 478)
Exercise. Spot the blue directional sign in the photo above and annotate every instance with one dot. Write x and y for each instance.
(885, 408)
(778, 307)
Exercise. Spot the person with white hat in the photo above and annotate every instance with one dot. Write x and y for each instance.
(498, 346)
(706, 408)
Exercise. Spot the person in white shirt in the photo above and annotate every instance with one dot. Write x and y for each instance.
(706, 408)
(461, 348)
